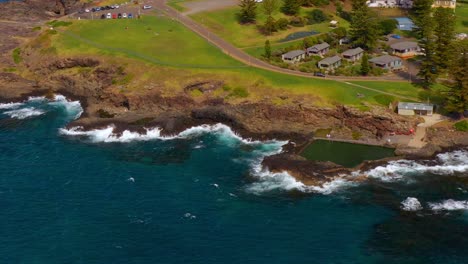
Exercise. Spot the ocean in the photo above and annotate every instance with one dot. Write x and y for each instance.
(73, 196)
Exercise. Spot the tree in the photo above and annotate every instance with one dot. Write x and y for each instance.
(457, 96)
(363, 28)
(267, 49)
(291, 7)
(387, 26)
(269, 6)
(424, 30)
(365, 67)
(270, 26)
(248, 12)
(444, 30)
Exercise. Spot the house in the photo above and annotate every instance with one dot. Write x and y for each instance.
(319, 49)
(415, 109)
(330, 63)
(344, 41)
(353, 54)
(387, 62)
(405, 23)
(293, 56)
(445, 3)
(405, 49)
(382, 3)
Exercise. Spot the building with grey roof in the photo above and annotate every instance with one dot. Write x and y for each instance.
(387, 62)
(293, 56)
(319, 49)
(353, 54)
(405, 108)
(330, 63)
(405, 49)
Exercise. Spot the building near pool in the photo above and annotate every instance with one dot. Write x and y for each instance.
(405, 49)
(405, 108)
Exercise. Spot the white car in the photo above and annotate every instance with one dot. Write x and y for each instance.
(87, 10)
(147, 7)
(124, 15)
(116, 6)
(109, 16)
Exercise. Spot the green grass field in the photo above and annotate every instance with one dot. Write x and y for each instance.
(224, 23)
(462, 17)
(159, 40)
(157, 49)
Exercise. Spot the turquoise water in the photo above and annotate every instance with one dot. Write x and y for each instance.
(198, 198)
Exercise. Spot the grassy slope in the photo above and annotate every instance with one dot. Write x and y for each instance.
(225, 24)
(141, 52)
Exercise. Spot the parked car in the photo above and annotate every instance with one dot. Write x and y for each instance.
(103, 16)
(319, 74)
(109, 16)
(119, 15)
(98, 9)
(114, 16)
(87, 10)
(130, 15)
(396, 36)
(93, 9)
(147, 7)
(124, 15)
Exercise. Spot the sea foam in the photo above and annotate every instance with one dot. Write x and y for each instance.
(24, 113)
(411, 204)
(449, 205)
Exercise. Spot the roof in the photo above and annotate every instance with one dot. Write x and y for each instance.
(330, 60)
(293, 54)
(415, 106)
(319, 47)
(385, 59)
(404, 45)
(353, 52)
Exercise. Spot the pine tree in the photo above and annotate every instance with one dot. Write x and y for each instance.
(269, 6)
(444, 30)
(248, 12)
(424, 30)
(457, 96)
(267, 49)
(291, 7)
(270, 25)
(363, 29)
(365, 67)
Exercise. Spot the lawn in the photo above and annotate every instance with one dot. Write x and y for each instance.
(462, 16)
(224, 23)
(155, 39)
(178, 4)
(159, 50)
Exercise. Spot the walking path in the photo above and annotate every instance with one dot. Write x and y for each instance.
(418, 140)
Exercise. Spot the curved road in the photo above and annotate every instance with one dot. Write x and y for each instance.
(240, 55)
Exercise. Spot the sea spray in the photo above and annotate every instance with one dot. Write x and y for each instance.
(411, 204)
(449, 205)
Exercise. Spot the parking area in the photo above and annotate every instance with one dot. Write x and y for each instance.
(123, 11)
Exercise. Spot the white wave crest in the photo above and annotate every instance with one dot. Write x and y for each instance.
(10, 106)
(269, 181)
(24, 113)
(411, 204)
(448, 163)
(107, 134)
(449, 205)
(71, 107)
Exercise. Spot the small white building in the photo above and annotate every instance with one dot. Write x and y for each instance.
(293, 56)
(409, 109)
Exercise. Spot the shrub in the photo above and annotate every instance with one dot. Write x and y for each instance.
(239, 92)
(356, 135)
(17, 55)
(57, 23)
(461, 126)
(387, 26)
(316, 16)
(297, 22)
(282, 24)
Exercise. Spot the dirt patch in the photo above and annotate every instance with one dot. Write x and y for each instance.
(208, 5)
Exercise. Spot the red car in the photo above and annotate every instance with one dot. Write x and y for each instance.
(114, 16)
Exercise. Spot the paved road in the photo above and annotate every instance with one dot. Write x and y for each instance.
(240, 55)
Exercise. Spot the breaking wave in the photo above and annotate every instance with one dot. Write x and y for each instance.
(445, 164)
(411, 204)
(449, 205)
(36, 106)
